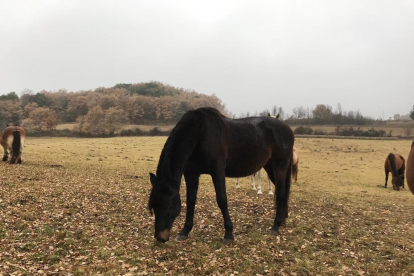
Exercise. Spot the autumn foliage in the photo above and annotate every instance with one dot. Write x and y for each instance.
(103, 110)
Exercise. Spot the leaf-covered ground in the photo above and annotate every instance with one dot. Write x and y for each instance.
(78, 206)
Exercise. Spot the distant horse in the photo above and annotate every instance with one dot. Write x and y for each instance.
(295, 164)
(395, 164)
(12, 139)
(206, 142)
(253, 183)
(410, 168)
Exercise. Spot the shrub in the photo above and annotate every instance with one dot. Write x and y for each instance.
(303, 130)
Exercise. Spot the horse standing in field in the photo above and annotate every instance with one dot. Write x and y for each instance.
(12, 139)
(206, 142)
(395, 164)
(410, 168)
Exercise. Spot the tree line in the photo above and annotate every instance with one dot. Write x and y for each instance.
(324, 114)
(102, 110)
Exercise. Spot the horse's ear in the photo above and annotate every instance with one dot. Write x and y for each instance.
(278, 116)
(153, 179)
(268, 114)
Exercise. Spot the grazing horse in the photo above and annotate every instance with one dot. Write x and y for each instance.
(410, 168)
(295, 164)
(206, 142)
(395, 164)
(12, 139)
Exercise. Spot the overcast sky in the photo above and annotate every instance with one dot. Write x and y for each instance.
(251, 54)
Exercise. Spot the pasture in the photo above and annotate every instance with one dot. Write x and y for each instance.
(79, 206)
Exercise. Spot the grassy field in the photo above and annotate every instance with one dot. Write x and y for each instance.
(79, 206)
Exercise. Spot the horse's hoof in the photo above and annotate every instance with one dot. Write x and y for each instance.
(181, 238)
(270, 193)
(274, 233)
(259, 192)
(227, 241)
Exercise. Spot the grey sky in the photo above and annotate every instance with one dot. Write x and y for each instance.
(251, 54)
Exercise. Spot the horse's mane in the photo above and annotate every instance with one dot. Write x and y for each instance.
(190, 125)
(188, 121)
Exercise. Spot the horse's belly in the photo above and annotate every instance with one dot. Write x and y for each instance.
(242, 166)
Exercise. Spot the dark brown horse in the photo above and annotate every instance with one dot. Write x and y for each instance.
(12, 139)
(410, 168)
(395, 164)
(206, 142)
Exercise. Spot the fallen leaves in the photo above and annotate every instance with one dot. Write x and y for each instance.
(61, 214)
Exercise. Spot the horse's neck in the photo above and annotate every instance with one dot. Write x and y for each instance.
(174, 157)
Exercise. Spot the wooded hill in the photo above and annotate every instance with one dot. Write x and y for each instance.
(140, 103)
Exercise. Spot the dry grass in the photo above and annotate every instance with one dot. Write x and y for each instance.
(78, 206)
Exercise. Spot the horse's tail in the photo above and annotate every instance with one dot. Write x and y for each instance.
(16, 146)
(394, 169)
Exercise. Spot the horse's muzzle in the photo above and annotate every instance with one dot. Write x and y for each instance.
(163, 236)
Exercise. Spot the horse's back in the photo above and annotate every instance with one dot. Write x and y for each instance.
(244, 145)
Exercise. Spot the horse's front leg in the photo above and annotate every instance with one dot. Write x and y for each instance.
(252, 180)
(386, 179)
(191, 181)
(219, 181)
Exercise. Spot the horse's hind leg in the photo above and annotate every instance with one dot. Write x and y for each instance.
(6, 154)
(280, 175)
(386, 178)
(219, 182)
(191, 181)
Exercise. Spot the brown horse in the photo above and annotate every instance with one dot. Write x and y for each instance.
(395, 164)
(12, 139)
(410, 168)
(295, 164)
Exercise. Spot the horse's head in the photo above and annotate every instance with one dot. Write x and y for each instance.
(165, 202)
(396, 182)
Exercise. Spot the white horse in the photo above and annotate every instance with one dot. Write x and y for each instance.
(259, 183)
